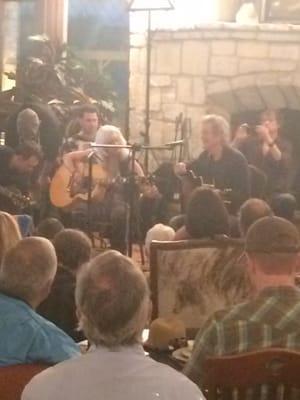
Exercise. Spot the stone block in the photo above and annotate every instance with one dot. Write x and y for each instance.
(171, 111)
(137, 40)
(220, 86)
(223, 66)
(283, 66)
(184, 90)
(199, 91)
(284, 51)
(223, 47)
(266, 79)
(168, 94)
(248, 65)
(195, 56)
(243, 81)
(243, 35)
(252, 49)
(168, 56)
(155, 99)
(134, 64)
(160, 80)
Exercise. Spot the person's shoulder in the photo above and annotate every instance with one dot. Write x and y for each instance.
(176, 382)
(235, 154)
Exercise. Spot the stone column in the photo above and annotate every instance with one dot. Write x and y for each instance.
(53, 17)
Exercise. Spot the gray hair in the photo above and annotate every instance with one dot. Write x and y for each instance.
(27, 268)
(28, 124)
(109, 134)
(220, 126)
(112, 297)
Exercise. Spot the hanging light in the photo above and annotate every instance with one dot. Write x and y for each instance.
(151, 5)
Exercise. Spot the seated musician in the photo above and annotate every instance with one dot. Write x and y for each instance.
(116, 162)
(219, 164)
(16, 169)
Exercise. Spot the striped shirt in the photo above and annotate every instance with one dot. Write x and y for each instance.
(272, 319)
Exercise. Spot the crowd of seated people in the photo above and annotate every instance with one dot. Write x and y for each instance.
(54, 293)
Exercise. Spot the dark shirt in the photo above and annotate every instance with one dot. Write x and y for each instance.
(59, 307)
(10, 179)
(50, 129)
(230, 172)
(277, 172)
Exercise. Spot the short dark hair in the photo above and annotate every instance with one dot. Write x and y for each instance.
(87, 109)
(207, 215)
(49, 228)
(251, 211)
(29, 149)
(284, 205)
(73, 248)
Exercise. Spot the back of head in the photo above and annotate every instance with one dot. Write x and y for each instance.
(159, 232)
(113, 300)
(29, 149)
(28, 268)
(284, 206)
(73, 248)
(9, 233)
(49, 228)
(206, 216)
(251, 211)
(274, 244)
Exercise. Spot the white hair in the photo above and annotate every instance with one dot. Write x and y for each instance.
(109, 134)
(220, 125)
(112, 297)
(159, 232)
(27, 268)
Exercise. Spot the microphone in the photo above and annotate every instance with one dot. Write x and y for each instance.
(174, 144)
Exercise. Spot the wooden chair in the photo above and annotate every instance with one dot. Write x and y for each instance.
(246, 376)
(193, 279)
(14, 379)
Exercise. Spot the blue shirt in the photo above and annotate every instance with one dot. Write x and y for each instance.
(26, 337)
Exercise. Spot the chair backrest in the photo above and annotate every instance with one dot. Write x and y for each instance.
(271, 374)
(13, 379)
(193, 279)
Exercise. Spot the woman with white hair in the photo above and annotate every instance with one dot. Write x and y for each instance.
(220, 164)
(116, 162)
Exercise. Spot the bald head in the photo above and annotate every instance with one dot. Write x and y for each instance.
(28, 270)
(251, 211)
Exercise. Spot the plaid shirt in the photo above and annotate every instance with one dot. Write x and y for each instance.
(272, 319)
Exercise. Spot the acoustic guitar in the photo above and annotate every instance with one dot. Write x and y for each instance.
(66, 190)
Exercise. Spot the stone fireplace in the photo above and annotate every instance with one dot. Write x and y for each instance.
(223, 67)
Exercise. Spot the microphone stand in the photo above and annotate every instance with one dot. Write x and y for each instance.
(131, 188)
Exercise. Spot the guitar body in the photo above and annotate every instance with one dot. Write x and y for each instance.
(65, 192)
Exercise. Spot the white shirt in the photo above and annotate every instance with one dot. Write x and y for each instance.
(103, 374)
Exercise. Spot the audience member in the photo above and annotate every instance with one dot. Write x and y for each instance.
(251, 211)
(113, 304)
(272, 318)
(26, 276)
(206, 216)
(49, 228)
(73, 249)
(284, 206)
(159, 232)
(9, 233)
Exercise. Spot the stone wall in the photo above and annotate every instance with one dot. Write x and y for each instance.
(224, 67)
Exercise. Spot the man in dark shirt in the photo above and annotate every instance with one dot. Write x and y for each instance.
(219, 164)
(267, 150)
(16, 168)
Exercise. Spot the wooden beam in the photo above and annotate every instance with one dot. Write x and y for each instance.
(53, 17)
